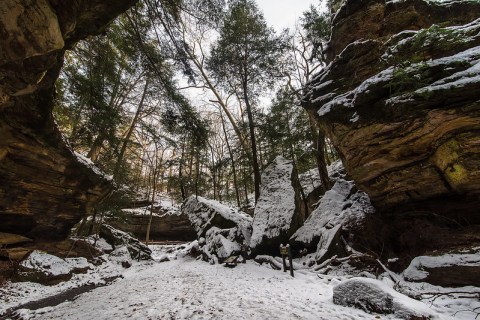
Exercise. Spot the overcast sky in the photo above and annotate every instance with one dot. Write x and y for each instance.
(283, 13)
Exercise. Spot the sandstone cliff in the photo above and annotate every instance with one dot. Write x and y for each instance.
(44, 188)
(400, 101)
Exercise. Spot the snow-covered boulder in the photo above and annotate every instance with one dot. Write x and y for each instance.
(280, 210)
(448, 270)
(206, 213)
(122, 256)
(79, 264)
(44, 268)
(375, 296)
(341, 208)
(312, 184)
(117, 238)
(222, 243)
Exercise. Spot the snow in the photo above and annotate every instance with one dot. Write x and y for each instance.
(310, 180)
(275, 207)
(337, 207)
(220, 242)
(88, 163)
(375, 295)
(78, 263)
(416, 271)
(190, 289)
(163, 204)
(46, 264)
(185, 288)
(13, 294)
(203, 212)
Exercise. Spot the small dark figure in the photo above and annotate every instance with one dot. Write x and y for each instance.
(244, 253)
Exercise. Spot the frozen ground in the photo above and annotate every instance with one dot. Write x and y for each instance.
(190, 289)
(185, 288)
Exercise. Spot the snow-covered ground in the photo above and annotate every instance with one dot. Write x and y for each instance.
(191, 289)
(186, 288)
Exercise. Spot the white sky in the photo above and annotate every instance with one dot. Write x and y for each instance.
(283, 13)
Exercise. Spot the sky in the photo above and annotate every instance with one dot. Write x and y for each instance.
(283, 13)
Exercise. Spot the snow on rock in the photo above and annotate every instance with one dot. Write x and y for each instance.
(87, 162)
(79, 264)
(117, 238)
(121, 255)
(341, 208)
(312, 184)
(279, 211)
(44, 268)
(374, 296)
(206, 213)
(451, 270)
(222, 243)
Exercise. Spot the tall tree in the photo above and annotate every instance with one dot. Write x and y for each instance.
(244, 60)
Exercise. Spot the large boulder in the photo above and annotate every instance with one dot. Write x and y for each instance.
(221, 230)
(119, 239)
(206, 213)
(343, 208)
(48, 269)
(280, 209)
(447, 270)
(374, 296)
(312, 184)
(44, 187)
(399, 101)
(222, 243)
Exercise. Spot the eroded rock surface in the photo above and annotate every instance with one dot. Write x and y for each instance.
(280, 209)
(166, 224)
(221, 230)
(44, 188)
(400, 102)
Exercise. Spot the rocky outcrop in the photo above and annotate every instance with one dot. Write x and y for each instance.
(119, 239)
(166, 225)
(206, 213)
(447, 270)
(280, 209)
(399, 100)
(44, 187)
(221, 230)
(341, 209)
(48, 269)
(312, 184)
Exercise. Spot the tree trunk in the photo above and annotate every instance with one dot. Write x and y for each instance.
(180, 173)
(94, 151)
(235, 184)
(220, 101)
(251, 126)
(90, 228)
(322, 166)
(129, 132)
(214, 178)
(197, 170)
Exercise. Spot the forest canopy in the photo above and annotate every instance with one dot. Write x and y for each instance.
(195, 97)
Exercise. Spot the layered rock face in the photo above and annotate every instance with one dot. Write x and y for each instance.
(165, 225)
(399, 99)
(44, 187)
